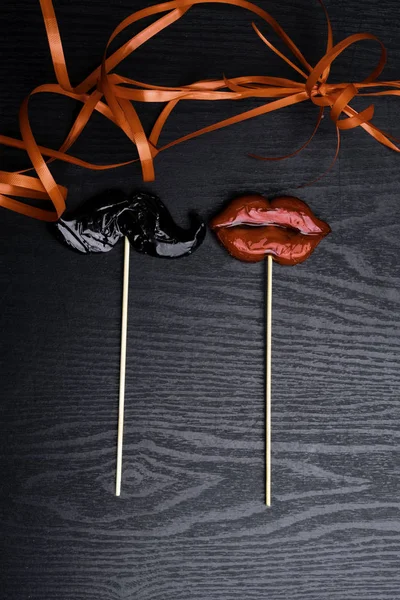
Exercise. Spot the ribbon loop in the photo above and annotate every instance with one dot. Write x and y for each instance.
(342, 101)
(353, 122)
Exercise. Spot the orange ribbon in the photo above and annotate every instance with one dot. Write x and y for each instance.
(119, 93)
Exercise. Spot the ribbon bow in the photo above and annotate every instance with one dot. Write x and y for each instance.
(112, 95)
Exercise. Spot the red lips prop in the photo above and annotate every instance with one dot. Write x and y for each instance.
(285, 230)
(252, 227)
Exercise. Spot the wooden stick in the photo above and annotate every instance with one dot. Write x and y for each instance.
(124, 331)
(268, 334)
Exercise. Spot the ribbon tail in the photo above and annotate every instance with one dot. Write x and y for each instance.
(276, 158)
(329, 169)
(250, 114)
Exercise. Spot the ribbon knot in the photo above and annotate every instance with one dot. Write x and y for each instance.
(321, 88)
(112, 95)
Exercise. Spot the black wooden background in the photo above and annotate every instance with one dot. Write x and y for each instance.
(191, 523)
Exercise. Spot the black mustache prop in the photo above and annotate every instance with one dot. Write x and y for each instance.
(102, 221)
(146, 226)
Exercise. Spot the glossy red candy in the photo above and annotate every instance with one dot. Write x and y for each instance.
(251, 227)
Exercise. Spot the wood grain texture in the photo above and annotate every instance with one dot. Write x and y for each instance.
(191, 523)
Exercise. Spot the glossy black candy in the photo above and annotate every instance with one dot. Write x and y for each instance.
(102, 221)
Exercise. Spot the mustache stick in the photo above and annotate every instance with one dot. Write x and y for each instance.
(146, 225)
(122, 369)
(285, 230)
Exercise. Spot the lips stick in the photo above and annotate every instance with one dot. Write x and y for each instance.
(285, 230)
(146, 226)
